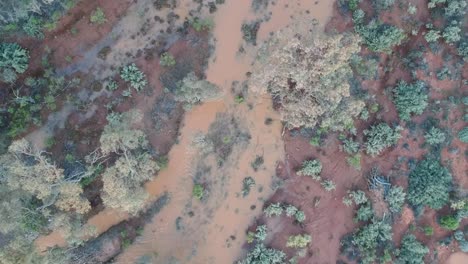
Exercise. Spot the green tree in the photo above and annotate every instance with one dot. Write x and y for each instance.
(380, 137)
(411, 251)
(383, 4)
(410, 99)
(364, 213)
(432, 35)
(380, 37)
(395, 198)
(449, 222)
(429, 184)
(463, 135)
(14, 56)
(434, 136)
(369, 237)
(260, 254)
(167, 60)
(274, 209)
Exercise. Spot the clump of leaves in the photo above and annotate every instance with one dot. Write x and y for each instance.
(98, 16)
(311, 168)
(167, 60)
(132, 74)
(380, 137)
(192, 90)
(328, 185)
(369, 237)
(429, 184)
(410, 99)
(365, 212)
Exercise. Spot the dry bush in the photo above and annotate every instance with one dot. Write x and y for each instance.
(307, 74)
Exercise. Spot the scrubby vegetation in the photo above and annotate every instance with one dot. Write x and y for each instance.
(134, 76)
(410, 99)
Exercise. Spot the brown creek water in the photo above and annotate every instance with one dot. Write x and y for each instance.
(213, 231)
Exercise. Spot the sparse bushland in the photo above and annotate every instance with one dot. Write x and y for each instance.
(380, 137)
(411, 251)
(123, 181)
(191, 90)
(429, 184)
(308, 76)
(410, 99)
(277, 209)
(134, 76)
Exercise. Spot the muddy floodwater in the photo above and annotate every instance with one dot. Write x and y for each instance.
(458, 258)
(212, 230)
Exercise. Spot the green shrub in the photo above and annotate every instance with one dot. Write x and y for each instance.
(167, 60)
(311, 168)
(463, 135)
(364, 213)
(380, 137)
(359, 197)
(298, 241)
(33, 27)
(410, 99)
(432, 35)
(383, 4)
(263, 255)
(355, 161)
(380, 37)
(434, 136)
(429, 184)
(275, 209)
(300, 216)
(449, 222)
(198, 191)
(350, 146)
(14, 56)
(452, 33)
(428, 230)
(395, 199)
(8, 75)
(291, 210)
(98, 16)
(132, 74)
(328, 185)
(261, 232)
(201, 24)
(411, 251)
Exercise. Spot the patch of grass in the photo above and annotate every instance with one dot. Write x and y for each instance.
(355, 161)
